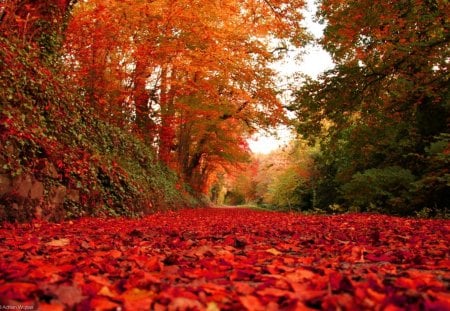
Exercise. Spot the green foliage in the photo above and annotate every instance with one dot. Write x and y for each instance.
(286, 191)
(383, 188)
(281, 180)
(234, 198)
(432, 190)
(381, 115)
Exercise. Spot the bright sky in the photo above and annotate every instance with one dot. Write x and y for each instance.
(313, 62)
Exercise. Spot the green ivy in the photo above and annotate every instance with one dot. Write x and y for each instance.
(44, 120)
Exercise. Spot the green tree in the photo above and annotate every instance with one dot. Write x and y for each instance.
(374, 188)
(387, 98)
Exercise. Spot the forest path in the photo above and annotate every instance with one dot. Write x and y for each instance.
(227, 259)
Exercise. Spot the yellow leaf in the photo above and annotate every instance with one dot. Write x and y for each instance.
(58, 243)
(105, 291)
(136, 294)
(212, 306)
(274, 251)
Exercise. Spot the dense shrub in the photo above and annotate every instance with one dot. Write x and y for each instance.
(381, 188)
(432, 190)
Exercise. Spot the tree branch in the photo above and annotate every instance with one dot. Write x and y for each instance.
(226, 116)
(272, 7)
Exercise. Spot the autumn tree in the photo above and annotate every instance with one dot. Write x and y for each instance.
(239, 186)
(387, 98)
(289, 182)
(184, 75)
(282, 179)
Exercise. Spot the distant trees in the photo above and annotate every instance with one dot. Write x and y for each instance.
(283, 179)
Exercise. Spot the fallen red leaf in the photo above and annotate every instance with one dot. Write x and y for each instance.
(228, 259)
(251, 303)
(103, 304)
(17, 290)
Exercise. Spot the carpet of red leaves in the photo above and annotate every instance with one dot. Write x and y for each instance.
(227, 259)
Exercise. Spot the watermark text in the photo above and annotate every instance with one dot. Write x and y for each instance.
(18, 307)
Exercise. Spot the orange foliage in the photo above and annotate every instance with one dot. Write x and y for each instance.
(183, 75)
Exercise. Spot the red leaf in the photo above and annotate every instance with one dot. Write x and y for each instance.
(251, 303)
(275, 292)
(103, 304)
(181, 258)
(17, 290)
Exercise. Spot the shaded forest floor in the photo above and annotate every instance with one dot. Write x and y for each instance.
(227, 259)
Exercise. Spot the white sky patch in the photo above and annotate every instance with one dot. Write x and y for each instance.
(265, 144)
(313, 62)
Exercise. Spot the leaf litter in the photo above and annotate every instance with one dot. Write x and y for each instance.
(227, 259)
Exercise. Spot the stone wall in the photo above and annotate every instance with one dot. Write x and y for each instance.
(37, 195)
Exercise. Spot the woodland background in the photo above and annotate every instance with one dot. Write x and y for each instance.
(126, 107)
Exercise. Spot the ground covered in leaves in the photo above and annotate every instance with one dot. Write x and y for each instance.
(227, 259)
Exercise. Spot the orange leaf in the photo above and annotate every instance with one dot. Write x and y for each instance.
(251, 303)
(58, 243)
(275, 292)
(103, 304)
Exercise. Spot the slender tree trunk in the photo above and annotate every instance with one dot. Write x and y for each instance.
(144, 124)
(167, 132)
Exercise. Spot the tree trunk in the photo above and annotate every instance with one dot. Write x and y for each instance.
(167, 132)
(144, 124)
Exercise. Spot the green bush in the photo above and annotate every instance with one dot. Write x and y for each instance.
(387, 189)
(234, 198)
(289, 191)
(432, 190)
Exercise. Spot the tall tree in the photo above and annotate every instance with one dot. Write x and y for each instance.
(183, 74)
(388, 97)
